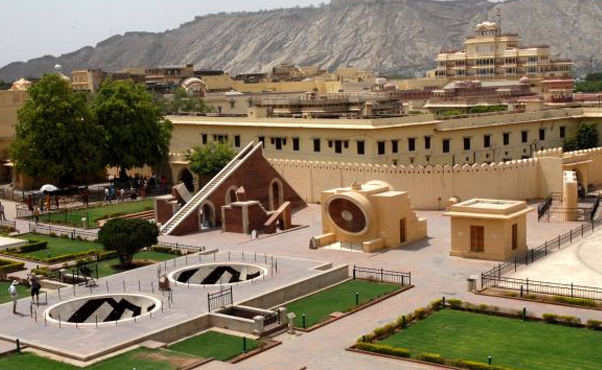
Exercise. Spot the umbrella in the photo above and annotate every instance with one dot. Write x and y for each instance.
(48, 188)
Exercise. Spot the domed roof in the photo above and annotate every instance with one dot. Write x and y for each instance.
(191, 81)
(486, 26)
(21, 84)
(524, 80)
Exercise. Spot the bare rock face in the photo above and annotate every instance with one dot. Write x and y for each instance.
(385, 35)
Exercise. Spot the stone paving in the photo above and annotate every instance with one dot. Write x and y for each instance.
(434, 273)
(189, 302)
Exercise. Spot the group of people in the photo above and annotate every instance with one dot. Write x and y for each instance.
(34, 287)
(45, 203)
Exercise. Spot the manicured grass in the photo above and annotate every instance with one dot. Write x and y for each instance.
(111, 266)
(59, 246)
(510, 342)
(340, 298)
(214, 344)
(5, 297)
(93, 214)
(141, 359)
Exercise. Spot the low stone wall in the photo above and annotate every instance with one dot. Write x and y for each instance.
(299, 289)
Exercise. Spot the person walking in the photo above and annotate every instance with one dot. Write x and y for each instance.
(36, 215)
(14, 295)
(56, 202)
(2, 216)
(35, 286)
(106, 194)
(30, 203)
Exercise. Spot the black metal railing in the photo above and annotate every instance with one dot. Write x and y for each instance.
(568, 215)
(526, 286)
(219, 299)
(543, 207)
(532, 255)
(184, 248)
(382, 275)
(595, 207)
(72, 233)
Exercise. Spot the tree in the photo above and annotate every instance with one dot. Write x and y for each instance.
(585, 137)
(136, 134)
(127, 237)
(182, 102)
(211, 158)
(57, 137)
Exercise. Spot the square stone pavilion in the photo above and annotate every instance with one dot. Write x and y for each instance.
(488, 229)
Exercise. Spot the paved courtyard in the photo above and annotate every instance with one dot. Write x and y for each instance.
(434, 273)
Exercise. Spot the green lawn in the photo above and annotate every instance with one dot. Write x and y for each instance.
(4, 297)
(141, 359)
(93, 214)
(59, 246)
(111, 266)
(340, 298)
(220, 346)
(510, 342)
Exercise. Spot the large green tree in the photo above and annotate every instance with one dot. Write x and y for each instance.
(211, 158)
(136, 133)
(127, 237)
(181, 102)
(585, 137)
(57, 138)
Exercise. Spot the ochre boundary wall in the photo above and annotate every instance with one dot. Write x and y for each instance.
(430, 187)
(594, 155)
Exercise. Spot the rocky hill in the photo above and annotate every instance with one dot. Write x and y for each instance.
(385, 35)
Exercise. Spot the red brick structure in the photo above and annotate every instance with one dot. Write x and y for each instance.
(261, 182)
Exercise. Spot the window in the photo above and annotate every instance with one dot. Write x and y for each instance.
(237, 141)
(395, 146)
(220, 138)
(316, 145)
(232, 104)
(466, 143)
(562, 132)
(506, 138)
(279, 142)
(262, 141)
(338, 146)
(445, 145)
(381, 147)
(361, 148)
(524, 136)
(542, 134)
(296, 144)
(427, 142)
(204, 138)
(487, 141)
(411, 144)
(514, 236)
(477, 238)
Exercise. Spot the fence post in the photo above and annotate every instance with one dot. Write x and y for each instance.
(527, 285)
(353, 272)
(558, 241)
(571, 290)
(381, 274)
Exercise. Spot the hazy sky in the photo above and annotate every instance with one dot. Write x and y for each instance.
(33, 28)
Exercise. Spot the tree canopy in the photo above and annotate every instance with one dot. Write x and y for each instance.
(585, 137)
(57, 137)
(211, 158)
(182, 102)
(136, 133)
(128, 237)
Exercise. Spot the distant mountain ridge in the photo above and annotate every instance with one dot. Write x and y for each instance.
(384, 35)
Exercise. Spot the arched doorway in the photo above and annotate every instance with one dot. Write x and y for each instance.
(231, 195)
(276, 194)
(188, 180)
(207, 215)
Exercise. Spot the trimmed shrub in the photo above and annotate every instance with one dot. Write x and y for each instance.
(576, 301)
(550, 318)
(33, 246)
(436, 304)
(454, 303)
(420, 313)
(43, 271)
(431, 357)
(7, 266)
(384, 331)
(594, 324)
(383, 349)
(569, 320)
(473, 365)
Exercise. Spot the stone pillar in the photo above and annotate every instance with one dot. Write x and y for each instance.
(259, 325)
(282, 315)
(569, 195)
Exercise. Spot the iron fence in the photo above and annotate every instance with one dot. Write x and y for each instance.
(542, 208)
(186, 248)
(72, 233)
(219, 299)
(568, 215)
(382, 275)
(526, 286)
(532, 255)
